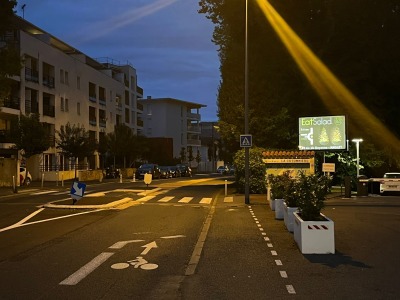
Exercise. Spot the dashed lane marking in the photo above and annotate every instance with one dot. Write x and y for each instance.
(206, 200)
(185, 200)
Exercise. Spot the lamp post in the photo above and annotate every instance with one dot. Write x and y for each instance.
(358, 141)
(246, 111)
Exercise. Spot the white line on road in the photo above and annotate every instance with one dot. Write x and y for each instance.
(278, 262)
(43, 193)
(228, 199)
(290, 289)
(206, 200)
(283, 274)
(86, 269)
(119, 245)
(185, 199)
(166, 199)
(274, 253)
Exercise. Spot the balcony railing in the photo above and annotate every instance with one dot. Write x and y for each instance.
(93, 98)
(194, 142)
(48, 81)
(31, 75)
(92, 121)
(49, 110)
(139, 106)
(31, 108)
(195, 129)
(10, 102)
(102, 123)
(193, 116)
(102, 101)
(139, 90)
(139, 123)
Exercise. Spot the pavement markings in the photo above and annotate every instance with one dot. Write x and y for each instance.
(185, 200)
(290, 289)
(228, 199)
(76, 277)
(206, 200)
(283, 274)
(278, 262)
(165, 199)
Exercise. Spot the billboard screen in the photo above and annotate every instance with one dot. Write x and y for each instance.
(322, 133)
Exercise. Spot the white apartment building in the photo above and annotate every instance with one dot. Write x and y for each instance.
(176, 119)
(64, 85)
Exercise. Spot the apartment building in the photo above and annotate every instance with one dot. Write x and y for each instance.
(64, 85)
(176, 119)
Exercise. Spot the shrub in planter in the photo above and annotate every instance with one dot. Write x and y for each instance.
(277, 184)
(291, 193)
(312, 191)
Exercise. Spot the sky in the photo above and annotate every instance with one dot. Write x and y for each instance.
(167, 41)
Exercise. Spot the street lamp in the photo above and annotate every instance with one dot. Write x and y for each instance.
(358, 141)
(246, 117)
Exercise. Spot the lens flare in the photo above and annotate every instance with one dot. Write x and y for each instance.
(337, 98)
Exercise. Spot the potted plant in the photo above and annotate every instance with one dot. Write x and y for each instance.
(290, 203)
(277, 185)
(313, 231)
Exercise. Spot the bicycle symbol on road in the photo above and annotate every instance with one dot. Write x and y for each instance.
(136, 263)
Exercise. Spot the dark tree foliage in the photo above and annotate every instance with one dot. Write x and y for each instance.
(29, 135)
(357, 40)
(74, 141)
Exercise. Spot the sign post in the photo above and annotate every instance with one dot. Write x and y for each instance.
(77, 191)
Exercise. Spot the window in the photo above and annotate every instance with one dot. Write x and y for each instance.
(61, 75)
(78, 109)
(66, 105)
(78, 82)
(62, 104)
(66, 78)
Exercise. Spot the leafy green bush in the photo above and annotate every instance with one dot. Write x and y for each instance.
(312, 191)
(278, 183)
(257, 182)
(291, 193)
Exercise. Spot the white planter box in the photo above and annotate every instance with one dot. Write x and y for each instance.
(270, 200)
(288, 216)
(279, 209)
(314, 237)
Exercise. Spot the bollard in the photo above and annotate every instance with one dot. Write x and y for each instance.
(14, 181)
(56, 178)
(226, 187)
(42, 179)
(62, 179)
(134, 178)
(120, 178)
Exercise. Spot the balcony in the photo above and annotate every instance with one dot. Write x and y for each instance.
(3, 135)
(93, 98)
(139, 106)
(102, 123)
(193, 142)
(139, 123)
(31, 107)
(92, 121)
(194, 129)
(193, 116)
(10, 102)
(102, 102)
(48, 81)
(31, 75)
(139, 90)
(49, 110)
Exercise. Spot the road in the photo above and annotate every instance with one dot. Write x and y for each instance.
(190, 242)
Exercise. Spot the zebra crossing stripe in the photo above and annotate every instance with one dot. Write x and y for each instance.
(145, 199)
(228, 199)
(185, 200)
(206, 200)
(165, 199)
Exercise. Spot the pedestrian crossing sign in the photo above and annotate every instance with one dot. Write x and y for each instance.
(245, 140)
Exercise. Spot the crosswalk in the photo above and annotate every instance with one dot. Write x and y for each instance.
(140, 196)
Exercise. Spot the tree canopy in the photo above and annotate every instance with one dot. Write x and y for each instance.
(357, 40)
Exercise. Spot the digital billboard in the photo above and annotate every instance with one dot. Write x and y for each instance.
(322, 133)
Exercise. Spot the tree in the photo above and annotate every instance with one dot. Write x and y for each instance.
(121, 143)
(10, 61)
(198, 156)
(29, 135)
(190, 154)
(74, 141)
(183, 155)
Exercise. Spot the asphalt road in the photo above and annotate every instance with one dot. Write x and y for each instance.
(190, 242)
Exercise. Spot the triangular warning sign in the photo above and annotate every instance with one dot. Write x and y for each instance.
(245, 142)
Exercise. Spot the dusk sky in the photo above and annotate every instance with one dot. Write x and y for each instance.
(167, 41)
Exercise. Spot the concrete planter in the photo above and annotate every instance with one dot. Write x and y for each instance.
(314, 237)
(279, 209)
(288, 216)
(270, 200)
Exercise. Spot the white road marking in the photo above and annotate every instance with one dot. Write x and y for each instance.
(283, 274)
(274, 253)
(290, 289)
(145, 199)
(278, 262)
(43, 193)
(148, 247)
(185, 199)
(228, 199)
(173, 236)
(206, 200)
(166, 199)
(270, 245)
(119, 245)
(261, 229)
(18, 224)
(86, 269)
(266, 238)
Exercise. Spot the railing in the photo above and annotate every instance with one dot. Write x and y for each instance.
(139, 106)
(65, 167)
(48, 81)
(31, 108)
(92, 98)
(139, 90)
(49, 110)
(103, 124)
(10, 102)
(194, 129)
(193, 116)
(31, 75)
(139, 123)
(92, 121)
(194, 142)
(102, 101)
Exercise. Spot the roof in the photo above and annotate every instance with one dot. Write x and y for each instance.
(172, 100)
(288, 154)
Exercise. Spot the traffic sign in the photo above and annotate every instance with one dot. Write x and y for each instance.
(77, 190)
(246, 140)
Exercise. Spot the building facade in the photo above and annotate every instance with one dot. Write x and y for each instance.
(176, 119)
(64, 85)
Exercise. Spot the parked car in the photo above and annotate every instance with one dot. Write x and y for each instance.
(174, 171)
(148, 169)
(25, 177)
(223, 170)
(111, 172)
(390, 183)
(165, 172)
(185, 170)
